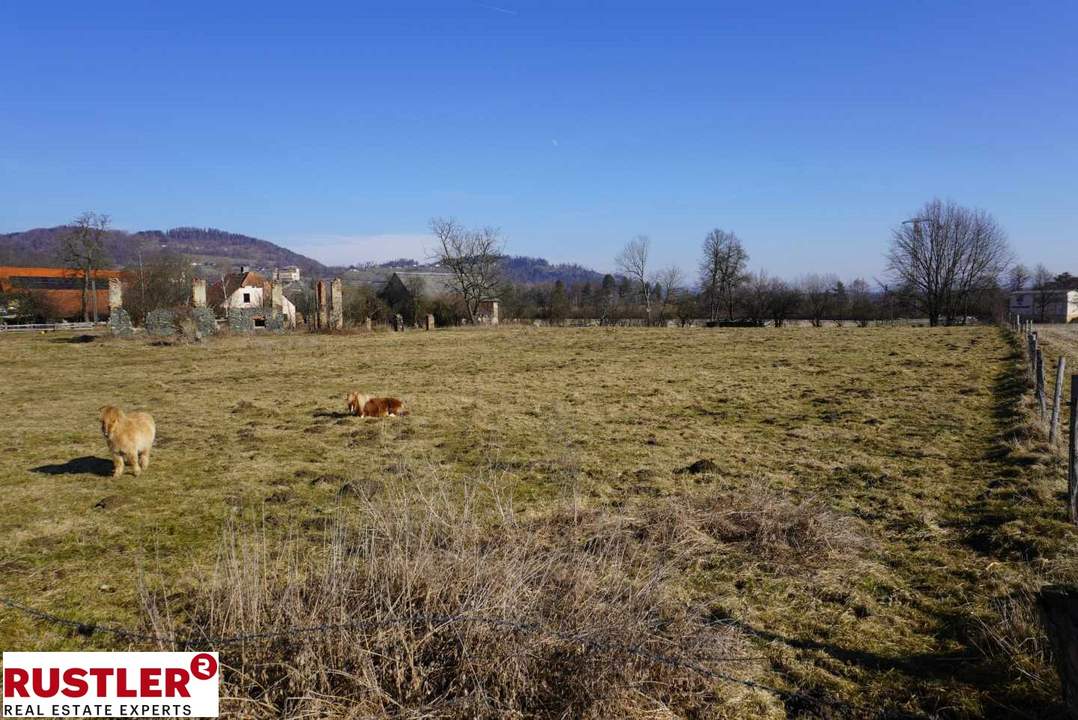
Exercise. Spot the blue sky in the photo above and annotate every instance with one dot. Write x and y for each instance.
(339, 129)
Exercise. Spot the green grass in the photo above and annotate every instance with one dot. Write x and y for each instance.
(912, 435)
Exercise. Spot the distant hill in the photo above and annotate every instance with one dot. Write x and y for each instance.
(530, 271)
(207, 245)
(222, 250)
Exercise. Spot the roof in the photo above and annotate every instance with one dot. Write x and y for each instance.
(432, 283)
(215, 294)
(7, 271)
(1053, 288)
(245, 279)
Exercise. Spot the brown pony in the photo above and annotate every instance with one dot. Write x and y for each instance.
(367, 406)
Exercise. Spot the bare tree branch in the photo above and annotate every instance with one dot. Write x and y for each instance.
(946, 256)
(633, 261)
(83, 249)
(473, 257)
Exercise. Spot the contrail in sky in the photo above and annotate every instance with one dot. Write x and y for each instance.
(495, 8)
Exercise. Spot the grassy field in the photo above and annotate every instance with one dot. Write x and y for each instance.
(870, 517)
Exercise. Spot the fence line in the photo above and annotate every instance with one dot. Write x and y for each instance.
(1057, 605)
(1035, 370)
(34, 327)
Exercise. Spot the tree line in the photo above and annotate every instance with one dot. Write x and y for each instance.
(947, 264)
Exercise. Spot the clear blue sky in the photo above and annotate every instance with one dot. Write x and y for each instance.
(339, 129)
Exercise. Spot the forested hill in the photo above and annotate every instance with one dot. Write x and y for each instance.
(41, 247)
(529, 270)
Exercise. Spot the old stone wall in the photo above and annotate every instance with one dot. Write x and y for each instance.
(116, 294)
(241, 320)
(322, 317)
(160, 323)
(336, 305)
(120, 323)
(205, 322)
(198, 293)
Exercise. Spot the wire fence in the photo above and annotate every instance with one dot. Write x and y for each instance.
(1051, 411)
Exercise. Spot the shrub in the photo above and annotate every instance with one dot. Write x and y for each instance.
(447, 604)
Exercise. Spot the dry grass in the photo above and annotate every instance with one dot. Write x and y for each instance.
(443, 602)
(865, 513)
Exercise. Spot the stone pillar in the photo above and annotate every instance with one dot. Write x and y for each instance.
(398, 322)
(336, 306)
(277, 296)
(116, 294)
(494, 312)
(321, 320)
(430, 322)
(198, 293)
(367, 323)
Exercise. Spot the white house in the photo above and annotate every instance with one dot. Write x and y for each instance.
(247, 289)
(286, 274)
(1056, 305)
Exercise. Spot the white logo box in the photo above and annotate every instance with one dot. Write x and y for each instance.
(111, 684)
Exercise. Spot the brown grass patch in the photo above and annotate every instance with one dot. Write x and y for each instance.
(448, 603)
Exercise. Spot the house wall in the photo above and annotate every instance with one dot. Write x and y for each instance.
(1061, 308)
(60, 287)
(288, 309)
(235, 300)
(1021, 303)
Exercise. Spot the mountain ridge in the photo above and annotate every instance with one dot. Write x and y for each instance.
(222, 249)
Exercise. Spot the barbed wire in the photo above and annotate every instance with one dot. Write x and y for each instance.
(87, 629)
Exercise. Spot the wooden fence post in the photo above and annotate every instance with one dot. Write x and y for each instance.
(1058, 606)
(1033, 357)
(1072, 454)
(1057, 399)
(1041, 400)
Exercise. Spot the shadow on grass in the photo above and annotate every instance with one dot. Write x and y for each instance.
(88, 465)
(76, 339)
(1016, 458)
(1007, 391)
(330, 414)
(933, 679)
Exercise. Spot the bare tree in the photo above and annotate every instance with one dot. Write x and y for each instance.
(945, 256)
(819, 294)
(862, 309)
(607, 303)
(782, 300)
(416, 295)
(722, 272)
(753, 296)
(1042, 285)
(1017, 278)
(162, 279)
(840, 302)
(83, 248)
(474, 257)
(360, 303)
(671, 280)
(633, 261)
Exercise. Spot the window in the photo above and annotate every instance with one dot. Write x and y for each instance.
(247, 297)
(53, 283)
